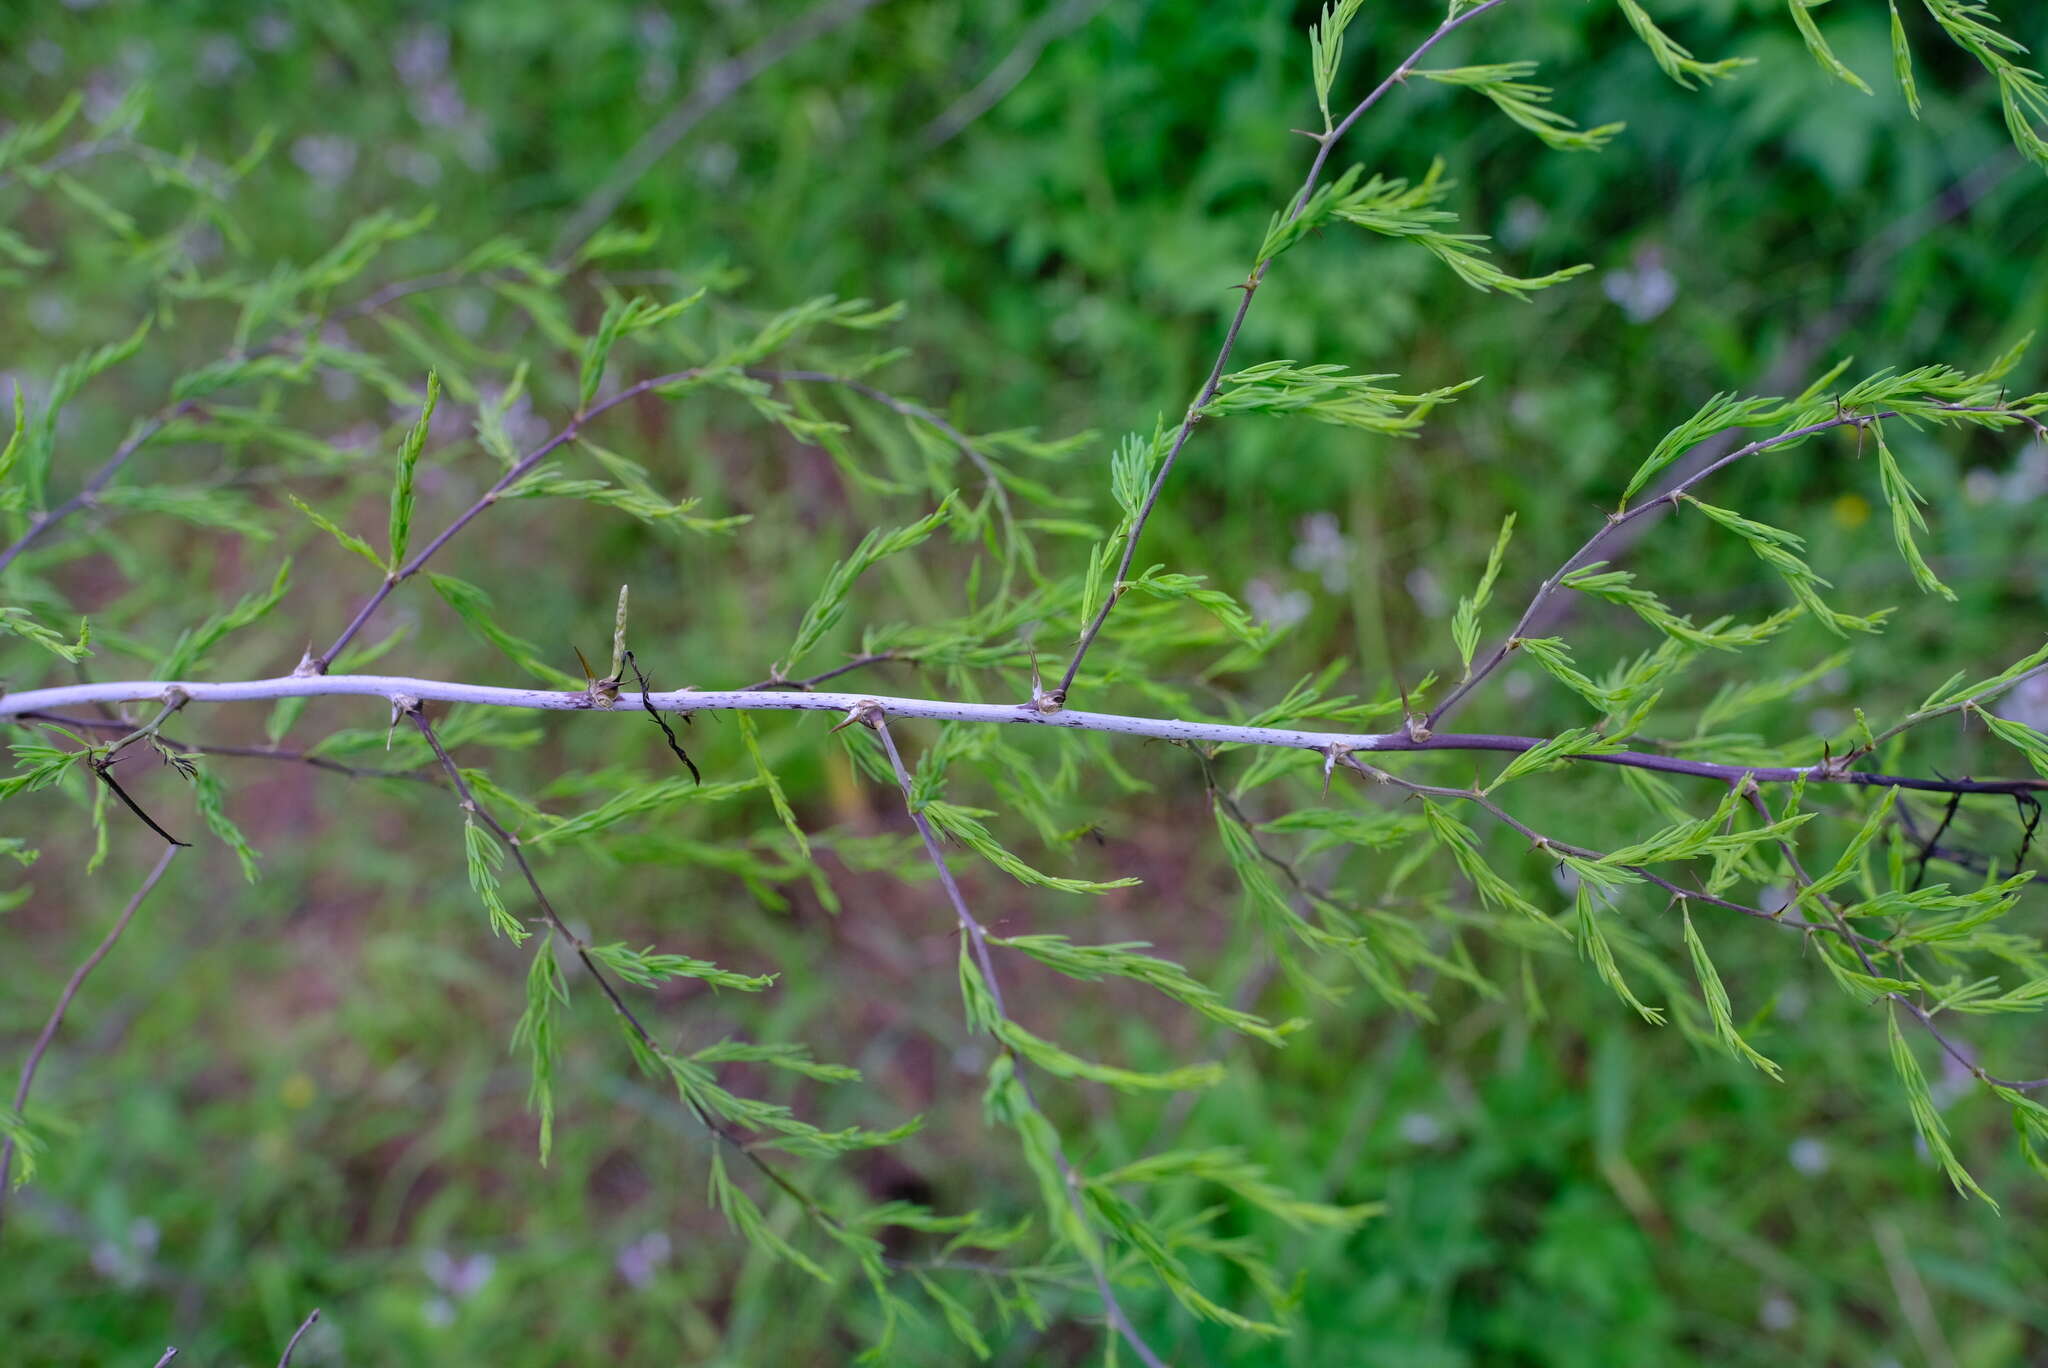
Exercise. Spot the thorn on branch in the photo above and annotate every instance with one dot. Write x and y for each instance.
(867, 712)
(1043, 703)
(1331, 755)
(402, 706)
(603, 693)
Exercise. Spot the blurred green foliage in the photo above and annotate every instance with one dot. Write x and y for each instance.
(297, 1094)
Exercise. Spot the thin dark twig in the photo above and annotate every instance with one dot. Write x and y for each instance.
(99, 769)
(1955, 802)
(1325, 144)
(805, 685)
(662, 722)
(977, 940)
(2030, 810)
(285, 1360)
(56, 1017)
(1968, 860)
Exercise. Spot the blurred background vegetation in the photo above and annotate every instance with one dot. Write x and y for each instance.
(297, 1093)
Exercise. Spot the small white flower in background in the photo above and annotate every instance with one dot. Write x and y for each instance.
(717, 162)
(2023, 484)
(473, 145)
(1809, 1156)
(657, 33)
(1775, 899)
(2027, 703)
(655, 27)
(1276, 608)
(219, 58)
(103, 94)
(33, 391)
(126, 1262)
(1323, 550)
(440, 105)
(361, 437)
(45, 56)
(270, 31)
(1420, 1128)
(421, 56)
(1645, 290)
(2029, 478)
(338, 385)
(1956, 1081)
(327, 157)
(1778, 1312)
(657, 79)
(525, 427)
(1792, 997)
(50, 312)
(1428, 592)
(203, 243)
(1526, 408)
(415, 164)
(469, 313)
(450, 423)
(638, 1262)
(1524, 222)
(459, 1277)
(1519, 685)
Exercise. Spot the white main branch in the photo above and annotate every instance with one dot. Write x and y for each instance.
(678, 701)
